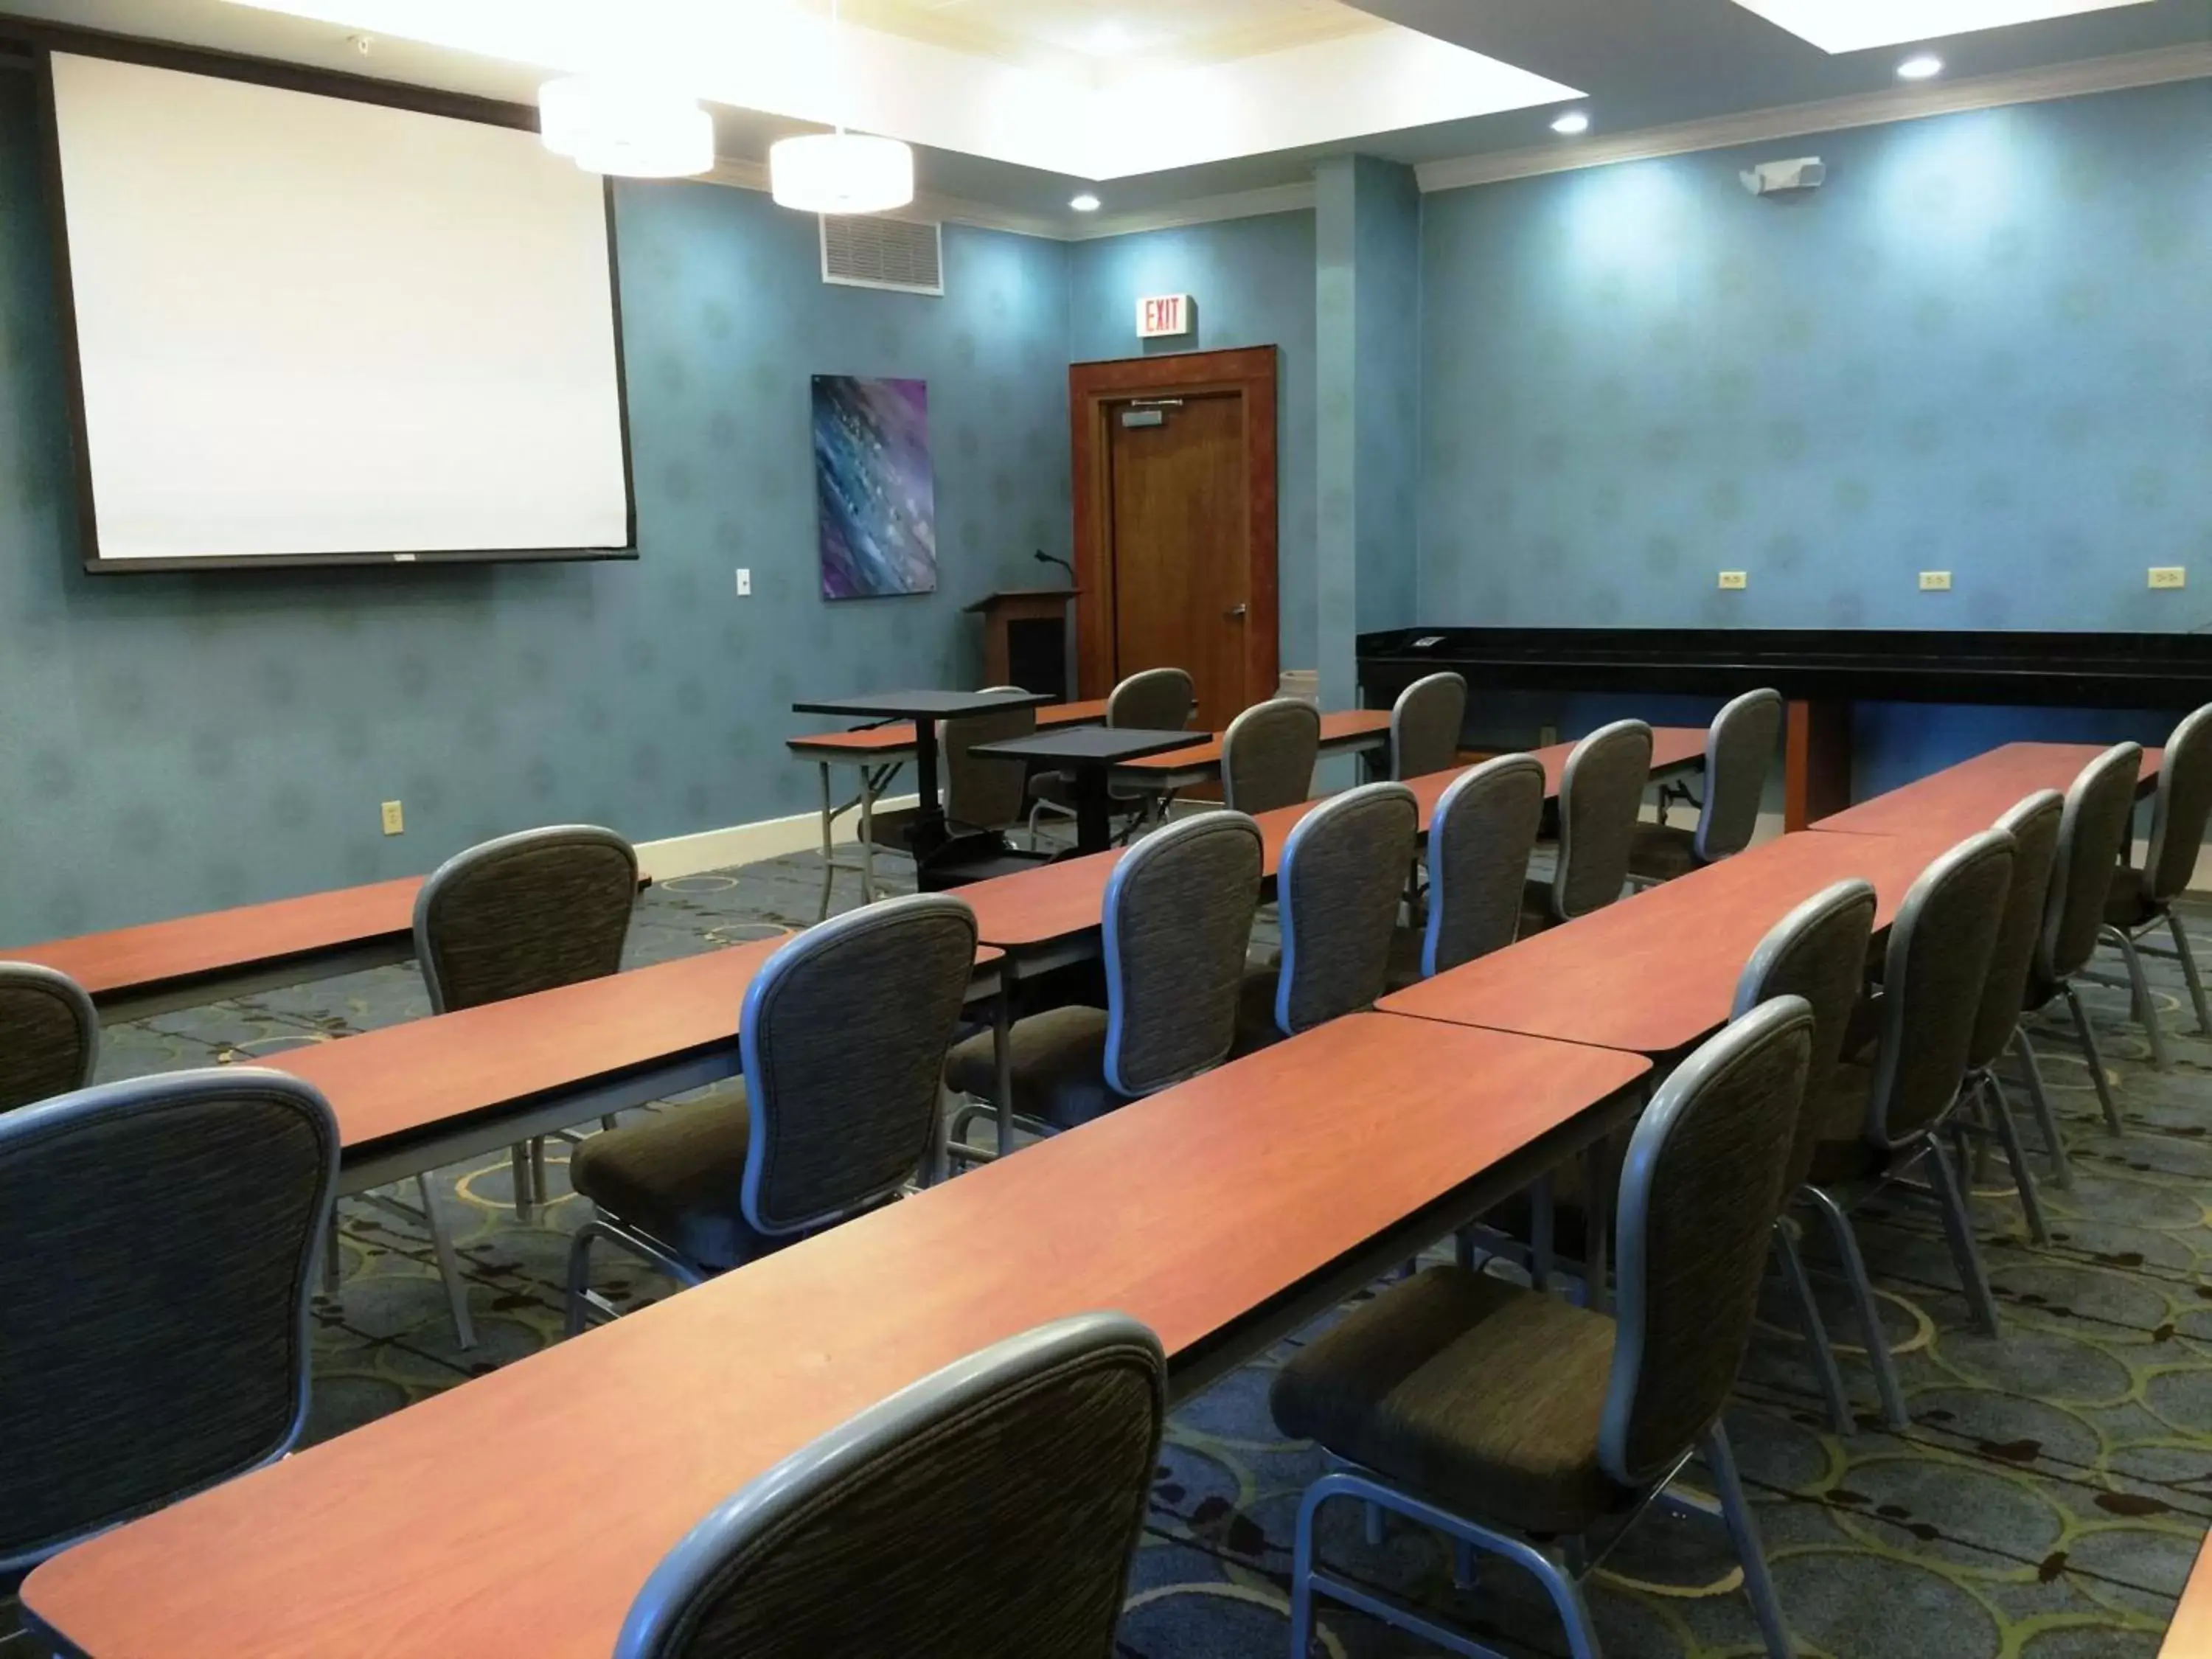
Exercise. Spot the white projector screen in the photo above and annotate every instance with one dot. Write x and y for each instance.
(309, 328)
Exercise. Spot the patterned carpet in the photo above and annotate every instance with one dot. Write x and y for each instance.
(2046, 1503)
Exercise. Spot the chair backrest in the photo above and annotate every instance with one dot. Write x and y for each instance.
(985, 794)
(1700, 1190)
(524, 913)
(1934, 975)
(1156, 700)
(49, 1034)
(2100, 805)
(1479, 840)
(158, 1239)
(1178, 919)
(843, 1035)
(2033, 827)
(2178, 816)
(1425, 725)
(1600, 793)
(990, 1511)
(1738, 753)
(1342, 875)
(1817, 952)
(1267, 755)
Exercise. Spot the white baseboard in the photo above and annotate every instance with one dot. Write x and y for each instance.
(745, 843)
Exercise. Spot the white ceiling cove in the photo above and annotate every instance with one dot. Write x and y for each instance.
(1857, 24)
(1345, 74)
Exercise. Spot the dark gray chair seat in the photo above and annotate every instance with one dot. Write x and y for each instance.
(1409, 1386)
(1059, 1065)
(1407, 945)
(678, 1177)
(1660, 852)
(1841, 1150)
(2128, 904)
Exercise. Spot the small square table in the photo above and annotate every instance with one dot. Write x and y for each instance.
(925, 709)
(1091, 752)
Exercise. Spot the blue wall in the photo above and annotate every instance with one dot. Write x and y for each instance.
(173, 742)
(1253, 279)
(1984, 347)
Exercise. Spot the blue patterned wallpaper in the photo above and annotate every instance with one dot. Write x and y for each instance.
(1254, 279)
(1985, 347)
(173, 742)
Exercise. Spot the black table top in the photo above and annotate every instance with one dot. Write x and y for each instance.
(921, 705)
(1078, 746)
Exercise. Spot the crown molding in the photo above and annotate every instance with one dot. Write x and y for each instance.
(734, 174)
(1199, 210)
(2118, 73)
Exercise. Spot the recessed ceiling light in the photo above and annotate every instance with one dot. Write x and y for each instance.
(1926, 66)
(1573, 122)
(1857, 24)
(1085, 203)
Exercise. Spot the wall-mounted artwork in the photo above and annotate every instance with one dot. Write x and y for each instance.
(875, 489)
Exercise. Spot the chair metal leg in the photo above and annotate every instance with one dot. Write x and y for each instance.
(2096, 1059)
(2007, 1133)
(1736, 1509)
(1816, 1328)
(577, 1303)
(829, 844)
(2182, 949)
(2139, 986)
(525, 1190)
(540, 1188)
(2054, 1145)
(1959, 1227)
(449, 1266)
(1846, 1242)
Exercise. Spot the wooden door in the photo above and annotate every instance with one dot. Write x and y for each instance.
(1174, 523)
(1175, 471)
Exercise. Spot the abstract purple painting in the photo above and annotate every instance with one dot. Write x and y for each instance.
(876, 493)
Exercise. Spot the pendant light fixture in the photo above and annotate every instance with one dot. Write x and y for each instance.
(841, 172)
(625, 128)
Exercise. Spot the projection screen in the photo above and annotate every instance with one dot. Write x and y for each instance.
(309, 329)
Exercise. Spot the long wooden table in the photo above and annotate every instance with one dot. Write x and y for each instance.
(2190, 1635)
(1049, 916)
(132, 972)
(1347, 732)
(520, 1513)
(876, 753)
(1656, 972)
(430, 1092)
(1972, 795)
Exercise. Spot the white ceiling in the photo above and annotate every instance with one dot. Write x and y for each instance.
(1107, 34)
(1644, 64)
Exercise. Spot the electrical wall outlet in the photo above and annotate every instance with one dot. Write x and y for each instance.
(1733, 580)
(395, 821)
(744, 584)
(1934, 581)
(2169, 576)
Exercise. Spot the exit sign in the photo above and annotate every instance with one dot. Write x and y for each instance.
(1163, 315)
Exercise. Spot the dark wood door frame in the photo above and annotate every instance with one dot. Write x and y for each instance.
(1092, 389)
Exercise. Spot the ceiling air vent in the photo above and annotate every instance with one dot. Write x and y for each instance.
(869, 250)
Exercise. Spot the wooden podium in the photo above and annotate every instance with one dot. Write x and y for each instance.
(1025, 638)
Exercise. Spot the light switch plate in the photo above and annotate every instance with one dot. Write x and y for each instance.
(2169, 576)
(395, 821)
(1733, 580)
(744, 584)
(1934, 581)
